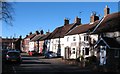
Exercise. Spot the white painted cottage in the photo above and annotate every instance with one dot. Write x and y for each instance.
(56, 39)
(78, 41)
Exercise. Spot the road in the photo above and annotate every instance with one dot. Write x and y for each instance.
(38, 65)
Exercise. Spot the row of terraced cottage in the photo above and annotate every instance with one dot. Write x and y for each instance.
(100, 37)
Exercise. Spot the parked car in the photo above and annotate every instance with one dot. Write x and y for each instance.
(4, 52)
(50, 54)
(13, 56)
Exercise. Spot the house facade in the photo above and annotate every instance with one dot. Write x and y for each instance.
(56, 39)
(8, 43)
(35, 44)
(44, 42)
(79, 44)
(108, 44)
(26, 42)
(41, 43)
(11, 43)
(78, 41)
(71, 46)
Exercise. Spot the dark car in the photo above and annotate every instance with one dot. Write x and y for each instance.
(13, 56)
(50, 54)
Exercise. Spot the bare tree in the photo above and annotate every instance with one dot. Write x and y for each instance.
(6, 12)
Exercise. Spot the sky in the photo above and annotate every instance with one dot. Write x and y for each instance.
(32, 16)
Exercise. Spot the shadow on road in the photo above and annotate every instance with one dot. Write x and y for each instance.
(30, 58)
(32, 62)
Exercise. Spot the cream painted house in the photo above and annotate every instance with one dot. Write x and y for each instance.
(72, 46)
(56, 39)
(79, 44)
(78, 41)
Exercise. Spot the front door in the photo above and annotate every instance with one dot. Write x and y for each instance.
(102, 55)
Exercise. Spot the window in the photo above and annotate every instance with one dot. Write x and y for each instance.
(116, 53)
(55, 46)
(86, 38)
(67, 39)
(74, 39)
(73, 51)
(86, 51)
(79, 38)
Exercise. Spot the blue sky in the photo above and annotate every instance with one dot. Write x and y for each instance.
(32, 16)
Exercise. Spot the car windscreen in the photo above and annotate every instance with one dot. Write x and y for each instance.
(14, 54)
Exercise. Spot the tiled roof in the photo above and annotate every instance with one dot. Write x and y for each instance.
(61, 31)
(82, 28)
(8, 40)
(30, 36)
(40, 37)
(17, 39)
(109, 42)
(110, 23)
(112, 42)
(35, 38)
(45, 36)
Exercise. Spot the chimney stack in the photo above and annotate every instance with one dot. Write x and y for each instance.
(30, 33)
(37, 32)
(77, 20)
(41, 32)
(66, 21)
(93, 17)
(20, 37)
(26, 35)
(48, 32)
(106, 10)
